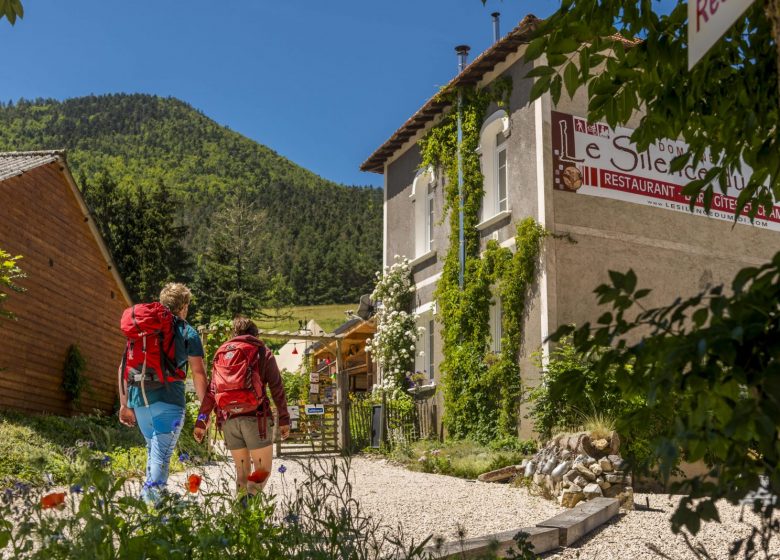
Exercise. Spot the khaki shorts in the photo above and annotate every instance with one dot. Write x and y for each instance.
(242, 432)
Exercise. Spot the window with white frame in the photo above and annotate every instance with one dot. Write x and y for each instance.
(496, 325)
(424, 362)
(500, 181)
(423, 198)
(494, 162)
(429, 218)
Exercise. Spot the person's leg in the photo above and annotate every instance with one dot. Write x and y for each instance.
(143, 418)
(262, 460)
(166, 423)
(243, 468)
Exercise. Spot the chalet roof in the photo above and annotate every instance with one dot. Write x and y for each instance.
(13, 164)
(16, 163)
(472, 74)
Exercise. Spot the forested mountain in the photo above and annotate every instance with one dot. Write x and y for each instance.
(298, 233)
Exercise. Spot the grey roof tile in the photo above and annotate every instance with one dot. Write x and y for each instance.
(16, 163)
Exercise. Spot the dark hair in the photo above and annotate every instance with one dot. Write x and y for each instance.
(243, 325)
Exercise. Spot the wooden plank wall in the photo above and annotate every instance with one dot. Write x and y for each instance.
(71, 297)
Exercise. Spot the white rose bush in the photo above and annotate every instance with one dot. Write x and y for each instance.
(394, 344)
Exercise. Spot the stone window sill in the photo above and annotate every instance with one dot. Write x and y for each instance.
(422, 258)
(494, 220)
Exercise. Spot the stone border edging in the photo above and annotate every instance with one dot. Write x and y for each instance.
(562, 530)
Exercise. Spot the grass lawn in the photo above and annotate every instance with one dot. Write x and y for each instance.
(34, 446)
(463, 459)
(327, 316)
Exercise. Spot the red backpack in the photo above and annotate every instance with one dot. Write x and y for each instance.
(235, 375)
(149, 360)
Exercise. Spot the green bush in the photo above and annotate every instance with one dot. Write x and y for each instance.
(572, 392)
(296, 386)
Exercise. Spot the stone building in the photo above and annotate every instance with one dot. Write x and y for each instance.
(611, 206)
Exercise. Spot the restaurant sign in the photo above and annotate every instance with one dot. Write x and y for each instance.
(593, 159)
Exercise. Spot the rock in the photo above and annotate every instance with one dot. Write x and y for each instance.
(596, 469)
(565, 483)
(614, 444)
(617, 462)
(530, 469)
(565, 455)
(538, 479)
(605, 464)
(580, 481)
(499, 475)
(604, 484)
(600, 445)
(575, 488)
(561, 470)
(586, 473)
(549, 466)
(570, 499)
(571, 475)
(626, 498)
(614, 478)
(627, 480)
(592, 490)
(574, 442)
(588, 461)
(613, 491)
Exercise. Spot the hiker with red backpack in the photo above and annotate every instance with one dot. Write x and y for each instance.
(160, 347)
(242, 368)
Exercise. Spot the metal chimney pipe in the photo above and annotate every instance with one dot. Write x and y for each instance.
(463, 52)
(496, 26)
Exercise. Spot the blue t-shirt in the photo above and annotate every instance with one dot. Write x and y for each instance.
(188, 345)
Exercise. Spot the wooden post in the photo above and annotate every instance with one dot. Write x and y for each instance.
(342, 388)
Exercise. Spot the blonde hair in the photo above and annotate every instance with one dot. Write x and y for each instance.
(243, 325)
(175, 296)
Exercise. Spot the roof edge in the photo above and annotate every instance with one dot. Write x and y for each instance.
(484, 63)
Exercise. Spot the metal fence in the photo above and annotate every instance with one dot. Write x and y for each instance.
(389, 423)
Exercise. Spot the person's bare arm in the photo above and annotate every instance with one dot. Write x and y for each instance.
(126, 415)
(199, 380)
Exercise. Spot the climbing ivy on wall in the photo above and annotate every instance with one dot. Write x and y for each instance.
(481, 390)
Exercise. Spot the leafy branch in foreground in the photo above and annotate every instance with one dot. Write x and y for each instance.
(631, 58)
(11, 9)
(9, 271)
(715, 358)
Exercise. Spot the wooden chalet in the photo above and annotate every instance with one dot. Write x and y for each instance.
(73, 295)
(357, 364)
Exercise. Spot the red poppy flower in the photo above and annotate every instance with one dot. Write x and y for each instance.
(259, 476)
(52, 500)
(193, 482)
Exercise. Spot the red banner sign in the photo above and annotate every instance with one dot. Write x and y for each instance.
(594, 159)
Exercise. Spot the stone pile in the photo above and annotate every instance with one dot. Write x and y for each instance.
(574, 467)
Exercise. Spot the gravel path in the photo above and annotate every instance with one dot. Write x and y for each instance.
(429, 504)
(632, 534)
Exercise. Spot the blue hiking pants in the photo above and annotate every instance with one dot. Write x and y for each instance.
(161, 424)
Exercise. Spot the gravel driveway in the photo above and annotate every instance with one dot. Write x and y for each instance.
(429, 504)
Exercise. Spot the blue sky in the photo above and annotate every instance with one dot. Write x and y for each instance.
(322, 83)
